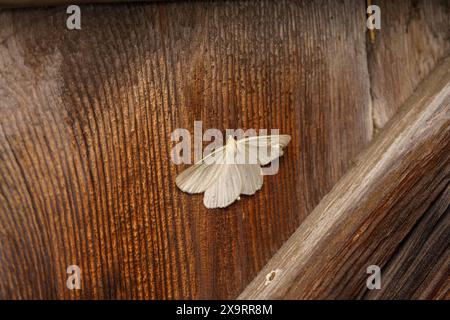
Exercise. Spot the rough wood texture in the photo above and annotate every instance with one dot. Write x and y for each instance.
(85, 171)
(369, 212)
(414, 37)
(420, 268)
(34, 3)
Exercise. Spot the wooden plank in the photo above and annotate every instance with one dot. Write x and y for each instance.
(369, 212)
(32, 3)
(86, 176)
(420, 267)
(413, 39)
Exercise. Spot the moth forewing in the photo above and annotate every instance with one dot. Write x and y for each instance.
(268, 149)
(246, 154)
(217, 156)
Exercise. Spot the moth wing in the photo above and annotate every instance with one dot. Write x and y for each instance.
(226, 187)
(252, 178)
(198, 177)
(265, 148)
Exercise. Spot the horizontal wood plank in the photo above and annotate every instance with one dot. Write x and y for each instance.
(42, 3)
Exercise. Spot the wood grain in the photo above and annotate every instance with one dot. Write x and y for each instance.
(41, 3)
(86, 176)
(420, 268)
(402, 175)
(414, 37)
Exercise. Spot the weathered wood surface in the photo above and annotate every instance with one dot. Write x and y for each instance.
(420, 267)
(86, 176)
(34, 3)
(390, 210)
(414, 38)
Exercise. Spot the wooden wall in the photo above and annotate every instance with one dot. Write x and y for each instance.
(413, 39)
(86, 118)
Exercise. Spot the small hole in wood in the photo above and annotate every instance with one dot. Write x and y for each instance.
(271, 276)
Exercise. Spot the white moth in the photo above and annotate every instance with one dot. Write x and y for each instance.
(232, 170)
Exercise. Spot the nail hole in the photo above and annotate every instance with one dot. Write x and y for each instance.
(271, 276)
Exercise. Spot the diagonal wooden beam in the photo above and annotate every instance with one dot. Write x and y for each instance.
(374, 209)
(420, 267)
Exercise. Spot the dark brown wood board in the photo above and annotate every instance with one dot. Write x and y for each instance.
(86, 176)
(44, 3)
